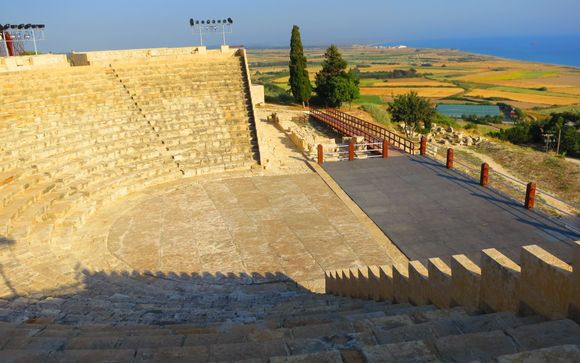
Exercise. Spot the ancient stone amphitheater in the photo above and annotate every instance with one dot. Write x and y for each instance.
(138, 224)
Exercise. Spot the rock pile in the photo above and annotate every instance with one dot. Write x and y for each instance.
(447, 136)
(304, 137)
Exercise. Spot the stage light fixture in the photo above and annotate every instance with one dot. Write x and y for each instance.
(220, 26)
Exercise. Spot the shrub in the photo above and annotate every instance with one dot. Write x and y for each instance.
(378, 113)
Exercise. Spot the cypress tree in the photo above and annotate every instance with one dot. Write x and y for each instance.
(334, 85)
(299, 81)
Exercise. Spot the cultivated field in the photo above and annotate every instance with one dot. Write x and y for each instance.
(444, 76)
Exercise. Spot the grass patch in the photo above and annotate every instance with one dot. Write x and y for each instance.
(379, 114)
(370, 99)
(531, 91)
(552, 173)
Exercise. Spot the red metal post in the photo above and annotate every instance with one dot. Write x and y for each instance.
(530, 195)
(350, 151)
(484, 177)
(423, 145)
(449, 158)
(385, 149)
(320, 154)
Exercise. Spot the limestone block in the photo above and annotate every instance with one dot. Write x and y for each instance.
(344, 285)
(439, 283)
(353, 282)
(465, 283)
(257, 91)
(418, 283)
(386, 283)
(574, 309)
(364, 286)
(374, 282)
(545, 282)
(500, 280)
(401, 283)
(329, 282)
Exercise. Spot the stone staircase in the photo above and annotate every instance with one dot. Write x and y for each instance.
(241, 319)
(198, 109)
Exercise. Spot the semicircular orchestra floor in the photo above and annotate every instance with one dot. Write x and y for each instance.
(266, 226)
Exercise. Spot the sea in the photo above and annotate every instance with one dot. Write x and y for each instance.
(562, 50)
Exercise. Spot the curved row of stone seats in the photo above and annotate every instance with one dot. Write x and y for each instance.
(76, 139)
(198, 108)
(79, 143)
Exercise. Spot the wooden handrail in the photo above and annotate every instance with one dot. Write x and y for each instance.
(354, 126)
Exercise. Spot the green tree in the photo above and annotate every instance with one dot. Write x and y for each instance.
(334, 85)
(300, 86)
(412, 110)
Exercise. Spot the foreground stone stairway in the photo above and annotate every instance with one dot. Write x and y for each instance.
(280, 322)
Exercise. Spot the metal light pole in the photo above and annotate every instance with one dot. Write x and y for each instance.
(4, 42)
(202, 27)
(34, 42)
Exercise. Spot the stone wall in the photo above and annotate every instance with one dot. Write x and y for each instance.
(107, 57)
(304, 137)
(28, 62)
(542, 284)
(258, 97)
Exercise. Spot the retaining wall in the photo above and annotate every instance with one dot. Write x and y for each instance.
(541, 284)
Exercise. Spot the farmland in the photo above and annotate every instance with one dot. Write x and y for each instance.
(443, 76)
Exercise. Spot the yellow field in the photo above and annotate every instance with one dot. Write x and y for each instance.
(524, 97)
(449, 73)
(430, 92)
(424, 82)
(571, 90)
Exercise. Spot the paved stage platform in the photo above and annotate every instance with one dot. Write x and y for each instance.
(430, 211)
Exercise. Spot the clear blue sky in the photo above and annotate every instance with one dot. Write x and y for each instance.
(107, 24)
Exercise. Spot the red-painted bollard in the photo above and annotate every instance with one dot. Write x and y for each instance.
(449, 158)
(351, 151)
(423, 149)
(385, 149)
(530, 195)
(484, 178)
(320, 154)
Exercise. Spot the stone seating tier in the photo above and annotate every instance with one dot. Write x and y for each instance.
(76, 139)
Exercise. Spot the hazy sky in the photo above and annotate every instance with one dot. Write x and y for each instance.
(107, 24)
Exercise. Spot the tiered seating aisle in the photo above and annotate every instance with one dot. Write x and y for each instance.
(198, 108)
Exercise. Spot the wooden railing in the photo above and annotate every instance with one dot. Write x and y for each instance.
(353, 126)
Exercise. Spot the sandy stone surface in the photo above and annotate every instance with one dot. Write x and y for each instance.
(294, 225)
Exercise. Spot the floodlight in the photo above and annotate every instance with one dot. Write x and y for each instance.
(13, 26)
(41, 26)
(27, 26)
(203, 21)
(224, 21)
(191, 22)
(213, 21)
(219, 21)
(208, 22)
(230, 21)
(197, 22)
(20, 26)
